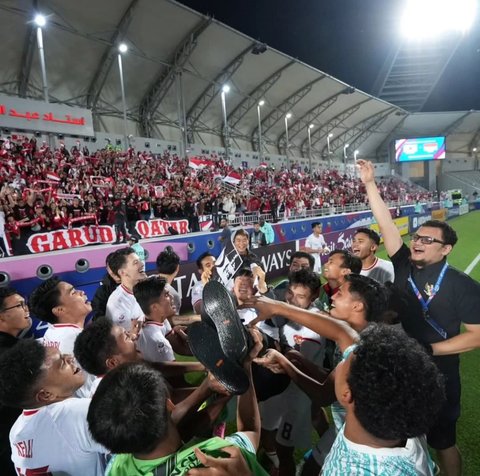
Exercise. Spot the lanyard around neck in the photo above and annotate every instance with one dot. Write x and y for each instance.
(425, 304)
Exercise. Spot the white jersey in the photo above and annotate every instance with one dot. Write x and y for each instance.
(55, 440)
(347, 458)
(381, 270)
(123, 308)
(316, 243)
(249, 314)
(62, 337)
(197, 293)
(153, 344)
(310, 344)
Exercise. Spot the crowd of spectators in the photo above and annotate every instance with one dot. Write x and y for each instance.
(45, 189)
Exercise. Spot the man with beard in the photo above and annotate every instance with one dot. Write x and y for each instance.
(440, 299)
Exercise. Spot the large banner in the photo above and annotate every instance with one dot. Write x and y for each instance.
(440, 214)
(338, 240)
(400, 223)
(31, 115)
(275, 260)
(416, 221)
(463, 209)
(159, 227)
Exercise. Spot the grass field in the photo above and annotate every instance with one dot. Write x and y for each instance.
(465, 251)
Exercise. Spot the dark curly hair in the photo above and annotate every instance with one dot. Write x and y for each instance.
(128, 412)
(396, 387)
(44, 298)
(373, 295)
(20, 371)
(94, 345)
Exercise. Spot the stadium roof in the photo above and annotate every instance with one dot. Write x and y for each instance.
(175, 50)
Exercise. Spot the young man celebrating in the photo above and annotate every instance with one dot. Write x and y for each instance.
(440, 299)
(157, 341)
(51, 436)
(316, 245)
(65, 308)
(364, 245)
(122, 308)
(340, 264)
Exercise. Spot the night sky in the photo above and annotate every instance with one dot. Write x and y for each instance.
(348, 39)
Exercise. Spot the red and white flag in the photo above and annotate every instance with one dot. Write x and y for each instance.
(53, 176)
(263, 165)
(196, 163)
(233, 178)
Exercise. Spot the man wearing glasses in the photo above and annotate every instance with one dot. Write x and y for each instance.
(440, 299)
(14, 318)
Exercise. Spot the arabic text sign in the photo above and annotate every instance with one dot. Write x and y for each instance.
(27, 114)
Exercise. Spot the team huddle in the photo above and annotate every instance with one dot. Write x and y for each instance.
(363, 353)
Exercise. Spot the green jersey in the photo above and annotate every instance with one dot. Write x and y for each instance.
(179, 463)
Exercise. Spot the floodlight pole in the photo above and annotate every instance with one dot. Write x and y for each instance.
(41, 53)
(124, 103)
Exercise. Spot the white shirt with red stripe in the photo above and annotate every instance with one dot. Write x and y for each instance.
(310, 344)
(381, 270)
(153, 343)
(123, 308)
(62, 337)
(55, 440)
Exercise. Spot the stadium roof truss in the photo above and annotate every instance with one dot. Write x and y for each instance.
(177, 62)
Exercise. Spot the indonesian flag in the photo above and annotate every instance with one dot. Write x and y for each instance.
(263, 165)
(196, 163)
(233, 178)
(53, 176)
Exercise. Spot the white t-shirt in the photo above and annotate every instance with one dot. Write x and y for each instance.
(316, 243)
(381, 271)
(123, 308)
(153, 344)
(55, 440)
(348, 458)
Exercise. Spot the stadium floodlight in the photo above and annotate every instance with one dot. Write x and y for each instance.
(474, 149)
(226, 88)
(40, 20)
(311, 126)
(123, 48)
(288, 115)
(261, 103)
(431, 18)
